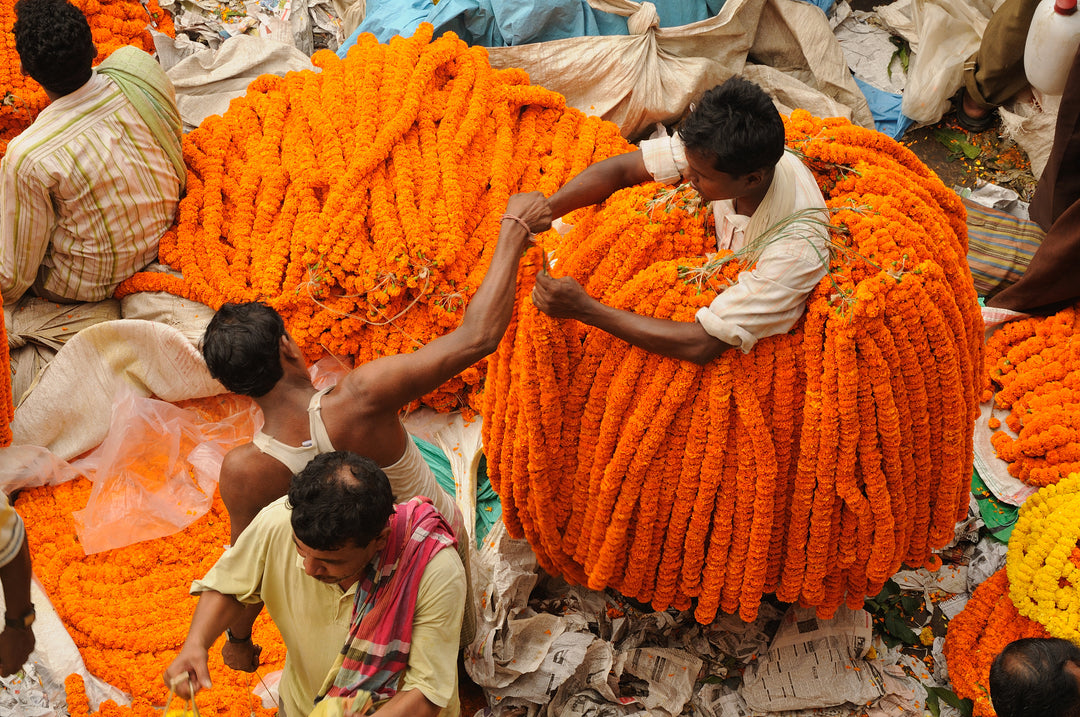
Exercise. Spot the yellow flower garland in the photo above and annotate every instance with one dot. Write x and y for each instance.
(1044, 558)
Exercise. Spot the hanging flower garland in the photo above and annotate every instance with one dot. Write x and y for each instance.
(1032, 369)
(978, 634)
(813, 466)
(128, 610)
(363, 201)
(113, 24)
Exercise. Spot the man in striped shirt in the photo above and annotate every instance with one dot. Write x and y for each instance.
(88, 189)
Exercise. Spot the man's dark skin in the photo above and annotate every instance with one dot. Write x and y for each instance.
(565, 298)
(361, 412)
(16, 643)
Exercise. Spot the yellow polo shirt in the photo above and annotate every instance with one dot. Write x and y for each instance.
(313, 617)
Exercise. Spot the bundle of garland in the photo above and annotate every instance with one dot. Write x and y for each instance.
(128, 609)
(978, 634)
(363, 201)
(1037, 594)
(113, 23)
(813, 466)
(1033, 372)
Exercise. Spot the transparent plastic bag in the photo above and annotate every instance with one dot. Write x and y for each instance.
(158, 467)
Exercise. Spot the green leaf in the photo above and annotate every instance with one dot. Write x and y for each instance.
(903, 51)
(949, 697)
(956, 142)
(932, 702)
(910, 603)
(897, 627)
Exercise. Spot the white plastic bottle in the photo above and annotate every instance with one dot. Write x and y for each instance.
(1052, 41)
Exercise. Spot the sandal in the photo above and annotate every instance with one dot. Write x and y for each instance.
(972, 124)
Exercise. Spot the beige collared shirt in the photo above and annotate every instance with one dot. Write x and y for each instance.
(768, 299)
(86, 192)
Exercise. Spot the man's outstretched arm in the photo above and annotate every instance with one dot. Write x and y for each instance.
(189, 672)
(387, 384)
(564, 298)
(599, 181)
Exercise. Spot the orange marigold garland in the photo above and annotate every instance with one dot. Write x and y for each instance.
(362, 201)
(978, 634)
(1032, 368)
(113, 24)
(128, 610)
(814, 466)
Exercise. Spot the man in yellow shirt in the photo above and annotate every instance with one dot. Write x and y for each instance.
(336, 562)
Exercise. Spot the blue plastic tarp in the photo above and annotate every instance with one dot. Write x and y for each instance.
(885, 106)
(502, 23)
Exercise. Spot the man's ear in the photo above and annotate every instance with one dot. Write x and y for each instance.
(382, 538)
(288, 349)
(754, 179)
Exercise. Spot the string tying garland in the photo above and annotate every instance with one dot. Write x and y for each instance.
(979, 633)
(1032, 369)
(363, 201)
(813, 466)
(128, 610)
(113, 24)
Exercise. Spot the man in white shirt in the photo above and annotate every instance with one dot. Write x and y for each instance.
(731, 150)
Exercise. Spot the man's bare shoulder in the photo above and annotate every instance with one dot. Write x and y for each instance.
(250, 479)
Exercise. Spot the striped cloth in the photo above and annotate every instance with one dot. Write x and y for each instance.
(376, 652)
(1000, 246)
(85, 193)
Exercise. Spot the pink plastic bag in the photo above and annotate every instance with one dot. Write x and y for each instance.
(157, 470)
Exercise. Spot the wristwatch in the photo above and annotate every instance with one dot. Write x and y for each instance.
(23, 621)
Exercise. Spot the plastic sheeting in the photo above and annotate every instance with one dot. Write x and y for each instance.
(499, 23)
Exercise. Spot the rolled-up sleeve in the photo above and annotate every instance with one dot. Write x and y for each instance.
(664, 158)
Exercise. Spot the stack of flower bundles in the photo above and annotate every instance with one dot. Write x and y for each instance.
(813, 466)
(363, 201)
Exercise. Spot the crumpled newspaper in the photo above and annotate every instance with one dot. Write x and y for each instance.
(546, 648)
(24, 695)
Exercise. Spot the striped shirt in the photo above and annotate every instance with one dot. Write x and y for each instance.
(770, 298)
(12, 533)
(85, 194)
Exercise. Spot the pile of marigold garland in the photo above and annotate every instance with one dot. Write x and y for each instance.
(113, 23)
(814, 466)
(1033, 372)
(363, 201)
(1037, 594)
(128, 610)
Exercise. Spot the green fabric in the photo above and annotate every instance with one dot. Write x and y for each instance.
(999, 517)
(147, 87)
(488, 507)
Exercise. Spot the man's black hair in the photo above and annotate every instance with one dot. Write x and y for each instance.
(54, 44)
(1028, 679)
(340, 497)
(737, 124)
(242, 346)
